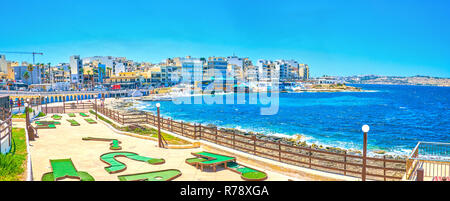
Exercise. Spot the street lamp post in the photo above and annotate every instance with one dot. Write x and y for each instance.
(365, 130)
(159, 127)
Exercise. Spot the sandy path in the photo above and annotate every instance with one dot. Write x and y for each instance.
(65, 142)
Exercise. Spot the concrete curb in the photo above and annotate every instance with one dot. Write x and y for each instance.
(29, 166)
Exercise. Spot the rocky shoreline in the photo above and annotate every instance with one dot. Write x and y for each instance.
(126, 105)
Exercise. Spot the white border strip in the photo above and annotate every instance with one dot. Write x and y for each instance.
(29, 167)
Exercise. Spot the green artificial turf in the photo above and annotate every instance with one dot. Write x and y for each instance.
(115, 145)
(254, 175)
(117, 166)
(73, 122)
(85, 176)
(195, 160)
(162, 175)
(218, 158)
(56, 117)
(90, 120)
(63, 167)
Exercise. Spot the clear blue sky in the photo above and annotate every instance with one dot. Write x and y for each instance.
(345, 37)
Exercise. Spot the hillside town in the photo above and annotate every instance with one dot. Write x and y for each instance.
(109, 73)
(398, 80)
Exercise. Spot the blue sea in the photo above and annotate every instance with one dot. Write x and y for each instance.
(398, 116)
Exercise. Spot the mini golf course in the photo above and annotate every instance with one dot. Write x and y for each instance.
(73, 122)
(162, 175)
(64, 168)
(212, 160)
(116, 166)
(91, 121)
(247, 173)
(114, 145)
(48, 122)
(45, 126)
(56, 117)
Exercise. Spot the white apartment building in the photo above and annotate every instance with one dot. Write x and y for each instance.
(191, 70)
(76, 69)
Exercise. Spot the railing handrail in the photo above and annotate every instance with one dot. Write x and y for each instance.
(252, 145)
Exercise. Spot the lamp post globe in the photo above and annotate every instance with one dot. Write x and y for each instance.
(365, 128)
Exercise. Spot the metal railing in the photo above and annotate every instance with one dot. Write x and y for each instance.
(304, 156)
(431, 159)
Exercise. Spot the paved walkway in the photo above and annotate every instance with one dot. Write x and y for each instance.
(65, 142)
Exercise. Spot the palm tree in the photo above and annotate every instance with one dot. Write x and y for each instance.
(70, 74)
(50, 70)
(40, 71)
(26, 75)
(30, 69)
(109, 71)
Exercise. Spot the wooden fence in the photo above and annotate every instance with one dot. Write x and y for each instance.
(309, 157)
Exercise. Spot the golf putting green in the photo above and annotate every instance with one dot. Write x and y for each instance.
(48, 122)
(114, 145)
(116, 166)
(217, 158)
(91, 121)
(56, 117)
(44, 126)
(64, 168)
(162, 175)
(211, 159)
(195, 160)
(73, 122)
(246, 172)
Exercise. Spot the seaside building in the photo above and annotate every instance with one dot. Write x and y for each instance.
(24, 75)
(288, 70)
(126, 80)
(6, 68)
(76, 70)
(61, 73)
(191, 71)
(267, 71)
(251, 74)
(237, 67)
(217, 66)
(118, 68)
(303, 72)
(3, 64)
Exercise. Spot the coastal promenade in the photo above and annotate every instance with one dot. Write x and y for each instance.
(65, 141)
(336, 162)
(277, 155)
(18, 98)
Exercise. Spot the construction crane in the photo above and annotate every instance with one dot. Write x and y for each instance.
(33, 53)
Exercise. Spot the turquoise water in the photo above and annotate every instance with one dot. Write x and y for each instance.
(398, 116)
